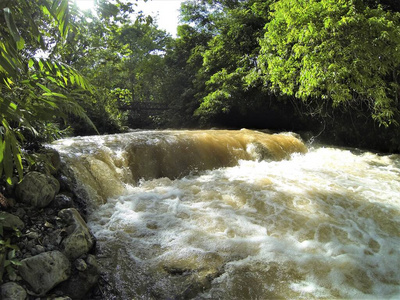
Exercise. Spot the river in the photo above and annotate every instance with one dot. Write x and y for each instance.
(239, 215)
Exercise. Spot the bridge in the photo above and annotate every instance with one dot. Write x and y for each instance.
(145, 106)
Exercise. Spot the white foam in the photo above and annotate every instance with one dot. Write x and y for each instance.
(326, 224)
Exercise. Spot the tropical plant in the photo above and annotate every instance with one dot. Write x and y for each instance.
(8, 260)
(34, 90)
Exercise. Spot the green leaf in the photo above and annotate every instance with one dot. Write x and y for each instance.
(51, 103)
(15, 262)
(53, 80)
(33, 27)
(44, 88)
(31, 63)
(13, 28)
(6, 66)
(7, 159)
(17, 156)
(13, 106)
(41, 65)
(2, 147)
(55, 94)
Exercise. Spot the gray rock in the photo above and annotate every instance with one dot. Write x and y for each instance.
(62, 201)
(40, 249)
(13, 291)
(79, 240)
(37, 189)
(52, 160)
(20, 212)
(54, 238)
(30, 245)
(77, 287)
(44, 271)
(10, 221)
(80, 265)
(2, 260)
(32, 235)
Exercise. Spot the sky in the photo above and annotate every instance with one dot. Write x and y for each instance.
(166, 11)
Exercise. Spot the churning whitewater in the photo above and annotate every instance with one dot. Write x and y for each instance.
(318, 224)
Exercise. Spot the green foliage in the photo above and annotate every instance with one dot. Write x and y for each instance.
(230, 58)
(183, 83)
(7, 249)
(340, 51)
(34, 91)
(118, 53)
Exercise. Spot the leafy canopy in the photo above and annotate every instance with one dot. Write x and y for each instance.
(334, 50)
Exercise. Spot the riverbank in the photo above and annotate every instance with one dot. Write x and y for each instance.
(47, 250)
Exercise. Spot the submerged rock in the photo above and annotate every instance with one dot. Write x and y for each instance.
(78, 241)
(45, 271)
(12, 291)
(37, 189)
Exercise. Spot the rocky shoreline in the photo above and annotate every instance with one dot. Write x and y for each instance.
(46, 250)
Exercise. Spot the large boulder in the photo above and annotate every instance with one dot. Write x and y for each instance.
(37, 189)
(79, 240)
(44, 271)
(12, 291)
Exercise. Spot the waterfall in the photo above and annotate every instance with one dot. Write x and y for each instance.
(239, 215)
(105, 164)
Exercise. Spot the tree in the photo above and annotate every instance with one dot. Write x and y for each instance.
(342, 52)
(32, 90)
(122, 52)
(227, 57)
(230, 57)
(182, 83)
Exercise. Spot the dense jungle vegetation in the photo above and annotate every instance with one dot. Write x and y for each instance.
(328, 67)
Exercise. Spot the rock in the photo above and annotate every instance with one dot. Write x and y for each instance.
(40, 249)
(30, 245)
(20, 212)
(13, 291)
(2, 261)
(80, 265)
(32, 235)
(10, 221)
(62, 201)
(9, 188)
(54, 238)
(52, 160)
(79, 240)
(44, 271)
(37, 189)
(78, 286)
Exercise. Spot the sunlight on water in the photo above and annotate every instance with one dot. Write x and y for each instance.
(104, 164)
(325, 224)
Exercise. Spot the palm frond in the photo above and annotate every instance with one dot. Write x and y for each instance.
(32, 91)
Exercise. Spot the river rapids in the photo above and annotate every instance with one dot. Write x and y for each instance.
(239, 215)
